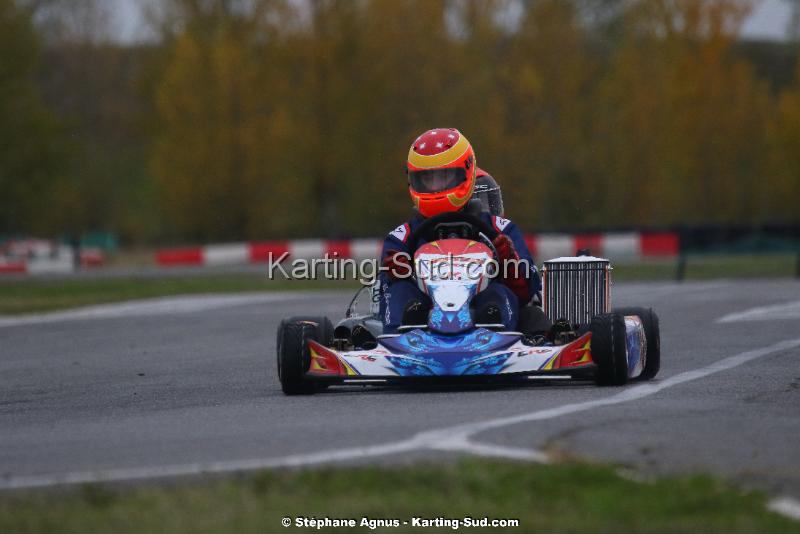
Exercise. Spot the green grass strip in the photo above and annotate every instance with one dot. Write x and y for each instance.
(39, 295)
(554, 498)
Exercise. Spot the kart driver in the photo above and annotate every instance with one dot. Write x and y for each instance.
(442, 175)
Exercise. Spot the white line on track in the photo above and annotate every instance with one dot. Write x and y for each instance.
(660, 289)
(156, 306)
(788, 310)
(785, 506)
(456, 438)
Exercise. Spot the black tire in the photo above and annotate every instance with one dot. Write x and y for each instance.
(652, 335)
(609, 350)
(293, 355)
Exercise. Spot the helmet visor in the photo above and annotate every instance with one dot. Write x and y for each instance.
(436, 180)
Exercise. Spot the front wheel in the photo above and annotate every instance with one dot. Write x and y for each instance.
(652, 335)
(609, 350)
(294, 356)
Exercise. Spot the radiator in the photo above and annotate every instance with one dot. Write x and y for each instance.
(576, 289)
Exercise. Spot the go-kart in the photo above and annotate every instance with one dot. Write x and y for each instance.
(453, 258)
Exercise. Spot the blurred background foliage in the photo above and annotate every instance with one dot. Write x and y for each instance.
(250, 119)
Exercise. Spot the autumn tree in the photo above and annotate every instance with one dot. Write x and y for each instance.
(549, 74)
(223, 162)
(33, 153)
(778, 202)
(397, 89)
(681, 128)
(285, 118)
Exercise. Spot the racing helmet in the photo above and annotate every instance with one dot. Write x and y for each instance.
(487, 190)
(441, 171)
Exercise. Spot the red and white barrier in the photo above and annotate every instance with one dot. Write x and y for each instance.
(40, 256)
(59, 265)
(615, 246)
(13, 267)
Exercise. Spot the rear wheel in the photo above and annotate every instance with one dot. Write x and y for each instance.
(294, 357)
(652, 334)
(609, 350)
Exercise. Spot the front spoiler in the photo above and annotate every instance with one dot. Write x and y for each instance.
(481, 356)
(578, 372)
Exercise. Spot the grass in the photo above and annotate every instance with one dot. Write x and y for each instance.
(555, 498)
(37, 295)
(711, 266)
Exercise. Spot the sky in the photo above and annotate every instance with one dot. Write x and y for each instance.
(768, 20)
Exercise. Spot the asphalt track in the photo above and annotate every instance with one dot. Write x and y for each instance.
(188, 385)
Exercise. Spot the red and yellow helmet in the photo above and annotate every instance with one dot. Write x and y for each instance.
(441, 171)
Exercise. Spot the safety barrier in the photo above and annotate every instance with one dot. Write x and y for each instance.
(40, 256)
(616, 246)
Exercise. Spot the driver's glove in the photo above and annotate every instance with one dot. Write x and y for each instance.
(397, 265)
(513, 276)
(505, 248)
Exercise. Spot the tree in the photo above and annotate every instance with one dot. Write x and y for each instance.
(779, 201)
(681, 128)
(227, 162)
(32, 151)
(550, 77)
(85, 21)
(287, 118)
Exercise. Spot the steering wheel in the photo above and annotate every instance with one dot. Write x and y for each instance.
(480, 229)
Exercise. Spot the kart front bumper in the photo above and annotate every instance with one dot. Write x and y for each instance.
(580, 373)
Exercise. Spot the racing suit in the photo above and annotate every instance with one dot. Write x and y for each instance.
(397, 294)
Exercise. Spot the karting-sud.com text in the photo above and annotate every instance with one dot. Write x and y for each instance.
(445, 267)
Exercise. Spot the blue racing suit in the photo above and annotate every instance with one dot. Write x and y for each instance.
(396, 294)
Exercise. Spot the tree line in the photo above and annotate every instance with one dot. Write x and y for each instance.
(251, 119)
